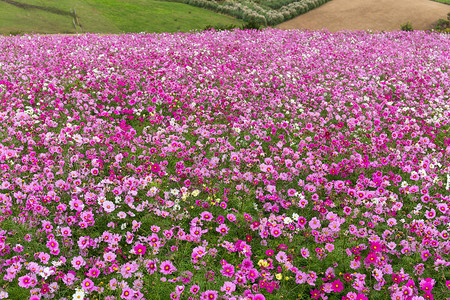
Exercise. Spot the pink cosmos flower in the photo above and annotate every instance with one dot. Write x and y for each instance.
(78, 262)
(25, 281)
(337, 286)
(166, 267)
(305, 252)
(231, 217)
(425, 255)
(140, 249)
(228, 287)
(329, 247)
(315, 294)
(281, 257)
(199, 251)
(209, 295)
(314, 223)
(151, 267)
(206, 216)
(76, 204)
(127, 293)
(66, 231)
(275, 231)
(109, 256)
(430, 214)
(300, 277)
(291, 192)
(375, 246)
(94, 171)
(52, 244)
(194, 289)
(44, 257)
(227, 270)
(87, 285)
(83, 242)
(253, 274)
(156, 168)
(361, 297)
(109, 206)
(391, 222)
(301, 222)
(93, 272)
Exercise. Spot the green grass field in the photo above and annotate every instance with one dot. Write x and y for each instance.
(108, 16)
(443, 1)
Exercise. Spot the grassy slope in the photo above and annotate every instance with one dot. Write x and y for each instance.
(108, 16)
(157, 16)
(33, 20)
(443, 1)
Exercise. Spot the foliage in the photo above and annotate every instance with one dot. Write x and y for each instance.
(406, 27)
(261, 12)
(443, 25)
(220, 27)
(252, 24)
(443, 1)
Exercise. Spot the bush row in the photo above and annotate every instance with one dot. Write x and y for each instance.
(275, 4)
(262, 14)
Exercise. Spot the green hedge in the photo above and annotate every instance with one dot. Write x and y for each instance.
(265, 12)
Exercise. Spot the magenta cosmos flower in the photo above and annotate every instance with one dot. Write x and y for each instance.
(227, 270)
(140, 249)
(87, 285)
(209, 295)
(194, 289)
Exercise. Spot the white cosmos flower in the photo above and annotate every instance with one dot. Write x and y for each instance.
(287, 220)
(46, 272)
(447, 187)
(79, 295)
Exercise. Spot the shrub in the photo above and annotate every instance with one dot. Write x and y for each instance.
(406, 27)
(251, 24)
(17, 32)
(443, 25)
(265, 12)
(220, 27)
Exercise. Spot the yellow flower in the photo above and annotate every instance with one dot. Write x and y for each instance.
(279, 276)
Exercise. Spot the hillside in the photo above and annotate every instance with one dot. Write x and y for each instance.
(106, 16)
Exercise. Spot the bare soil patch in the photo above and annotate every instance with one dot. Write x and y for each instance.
(377, 15)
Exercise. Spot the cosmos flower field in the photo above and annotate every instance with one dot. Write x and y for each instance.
(225, 165)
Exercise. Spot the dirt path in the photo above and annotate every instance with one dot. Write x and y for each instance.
(376, 15)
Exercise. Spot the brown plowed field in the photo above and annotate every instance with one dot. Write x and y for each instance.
(376, 15)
